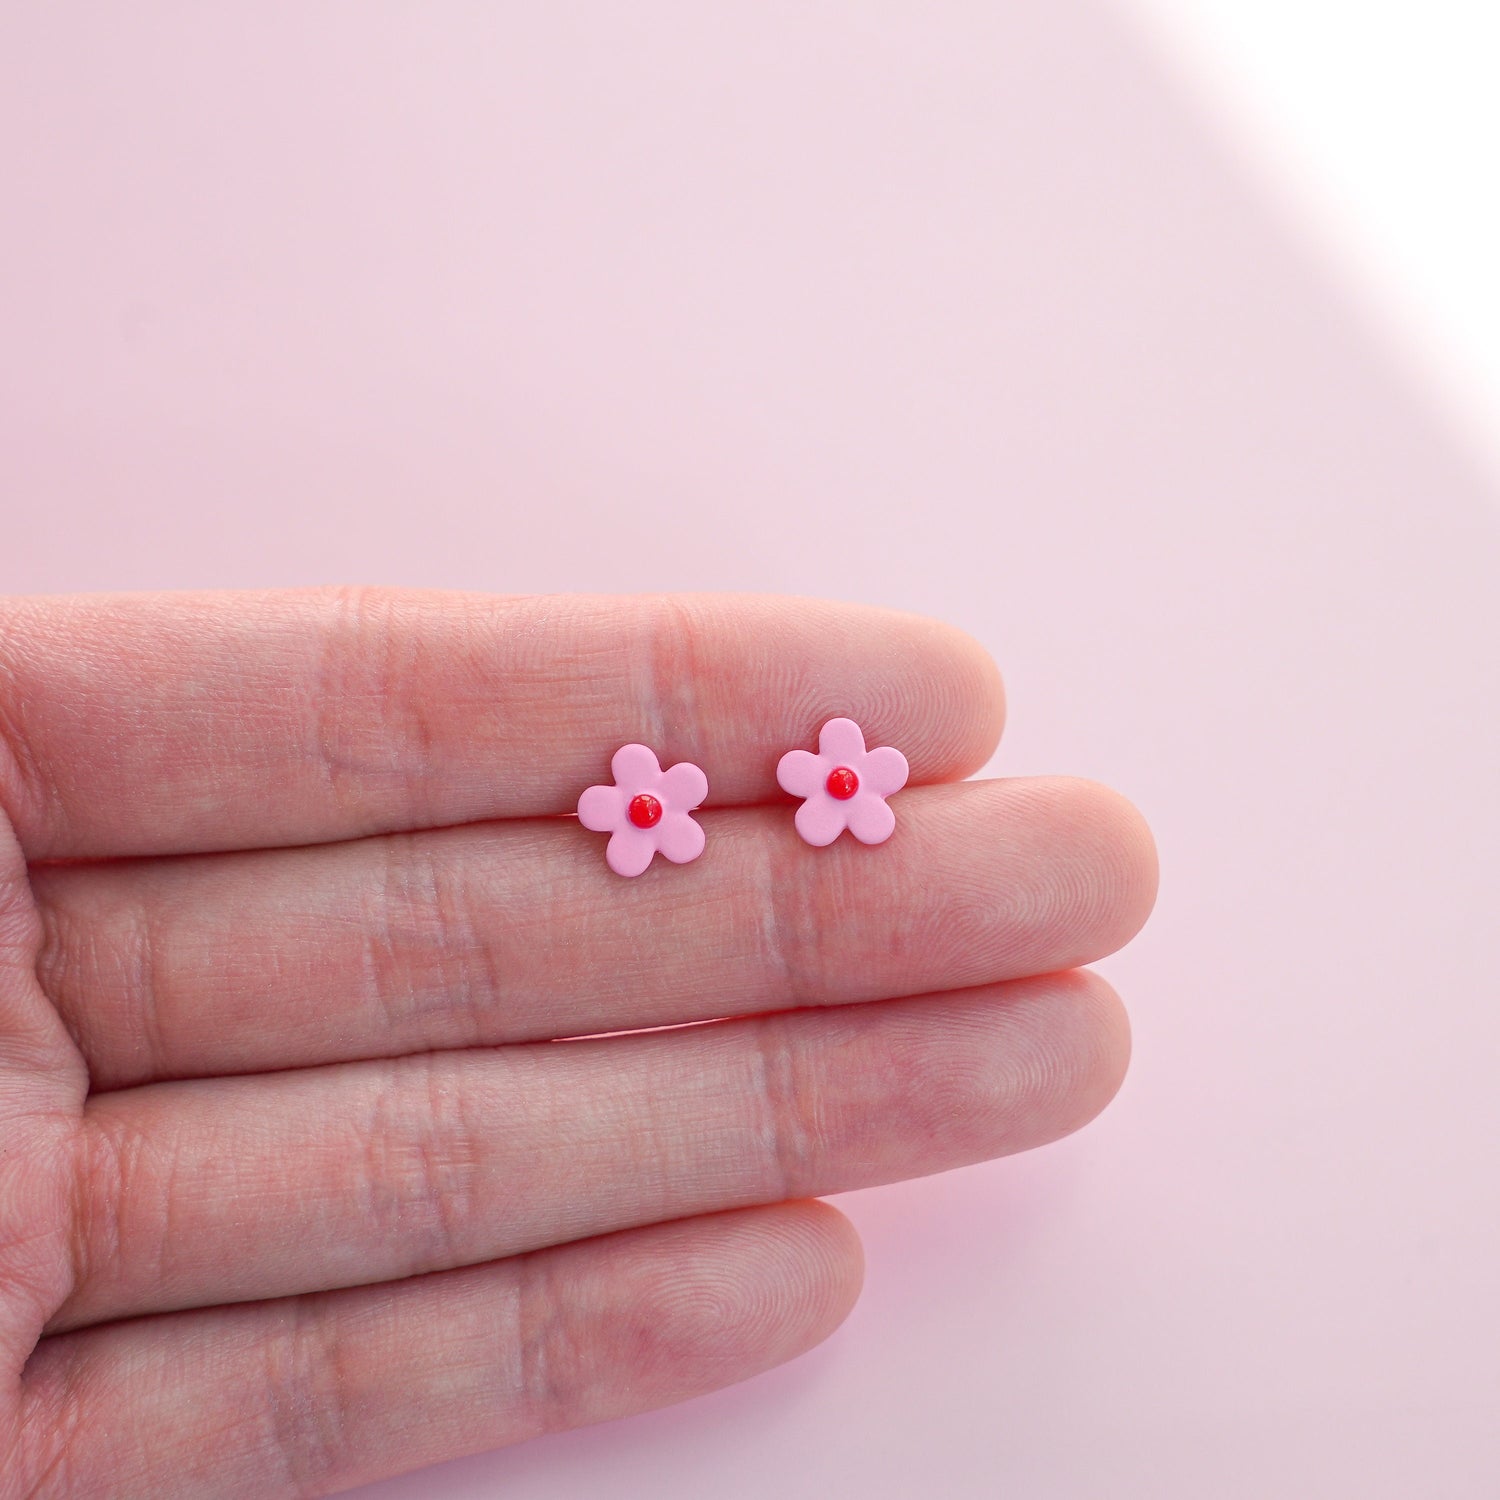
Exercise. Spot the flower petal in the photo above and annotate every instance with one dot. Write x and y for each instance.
(801, 773)
(683, 787)
(601, 808)
(841, 742)
(630, 849)
(884, 771)
(820, 820)
(635, 769)
(679, 838)
(871, 819)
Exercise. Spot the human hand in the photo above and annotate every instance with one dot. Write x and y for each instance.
(296, 1188)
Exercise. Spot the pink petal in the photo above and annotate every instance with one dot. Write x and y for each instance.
(636, 769)
(841, 742)
(884, 771)
(801, 773)
(683, 787)
(871, 819)
(820, 820)
(679, 838)
(630, 849)
(601, 808)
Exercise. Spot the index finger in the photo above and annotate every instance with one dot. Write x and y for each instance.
(175, 723)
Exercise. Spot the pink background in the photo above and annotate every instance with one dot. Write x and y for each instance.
(958, 307)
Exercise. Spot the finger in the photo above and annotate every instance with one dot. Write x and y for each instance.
(205, 1192)
(164, 723)
(311, 1395)
(517, 931)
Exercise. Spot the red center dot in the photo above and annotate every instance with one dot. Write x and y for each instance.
(842, 783)
(644, 811)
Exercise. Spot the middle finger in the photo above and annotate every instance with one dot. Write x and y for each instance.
(516, 931)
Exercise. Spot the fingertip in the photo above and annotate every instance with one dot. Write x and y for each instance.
(1108, 835)
(1101, 1044)
(1046, 1058)
(833, 1244)
(984, 689)
(738, 1292)
(911, 681)
(963, 715)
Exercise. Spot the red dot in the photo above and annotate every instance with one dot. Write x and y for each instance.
(842, 783)
(644, 811)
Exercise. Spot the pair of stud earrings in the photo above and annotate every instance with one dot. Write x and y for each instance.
(648, 810)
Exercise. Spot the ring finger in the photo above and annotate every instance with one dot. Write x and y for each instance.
(448, 1159)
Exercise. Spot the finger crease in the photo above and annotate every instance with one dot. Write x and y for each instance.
(152, 1035)
(785, 1130)
(308, 1397)
(378, 946)
(551, 1361)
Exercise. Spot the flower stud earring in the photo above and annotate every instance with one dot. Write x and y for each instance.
(646, 811)
(845, 785)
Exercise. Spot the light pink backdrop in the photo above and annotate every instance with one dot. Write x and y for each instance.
(959, 307)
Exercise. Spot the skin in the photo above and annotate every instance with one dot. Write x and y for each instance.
(300, 1186)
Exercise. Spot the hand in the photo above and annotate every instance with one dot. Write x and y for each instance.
(296, 1188)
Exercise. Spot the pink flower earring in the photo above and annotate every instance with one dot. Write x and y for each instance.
(845, 785)
(646, 811)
